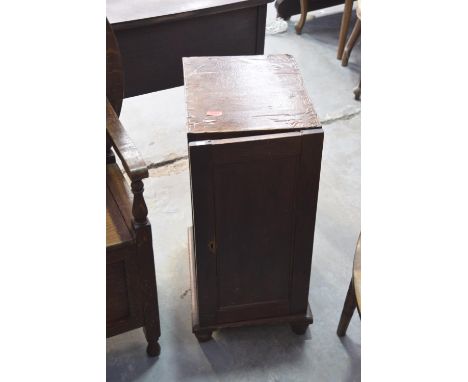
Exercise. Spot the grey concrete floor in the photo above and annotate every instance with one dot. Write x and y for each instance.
(156, 122)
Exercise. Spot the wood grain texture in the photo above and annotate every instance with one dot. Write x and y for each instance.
(255, 147)
(131, 158)
(250, 94)
(117, 232)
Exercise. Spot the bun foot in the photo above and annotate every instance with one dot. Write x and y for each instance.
(203, 336)
(299, 328)
(153, 349)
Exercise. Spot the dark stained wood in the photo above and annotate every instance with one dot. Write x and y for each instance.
(353, 296)
(266, 94)
(201, 169)
(146, 270)
(288, 8)
(348, 8)
(124, 147)
(355, 34)
(348, 311)
(114, 71)
(131, 295)
(261, 26)
(154, 36)
(117, 296)
(254, 191)
(306, 207)
(131, 300)
(117, 232)
(123, 312)
(118, 187)
(298, 323)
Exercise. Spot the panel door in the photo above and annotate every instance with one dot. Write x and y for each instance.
(254, 203)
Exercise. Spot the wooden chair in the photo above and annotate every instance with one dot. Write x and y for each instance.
(345, 51)
(287, 8)
(301, 22)
(353, 297)
(131, 295)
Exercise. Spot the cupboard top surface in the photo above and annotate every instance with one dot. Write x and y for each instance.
(246, 94)
(121, 11)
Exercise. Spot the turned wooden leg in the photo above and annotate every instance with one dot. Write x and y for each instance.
(153, 349)
(351, 42)
(203, 335)
(152, 327)
(348, 310)
(152, 333)
(147, 276)
(357, 91)
(348, 9)
(299, 327)
(301, 22)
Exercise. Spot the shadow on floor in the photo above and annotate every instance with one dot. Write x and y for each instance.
(352, 348)
(129, 362)
(253, 349)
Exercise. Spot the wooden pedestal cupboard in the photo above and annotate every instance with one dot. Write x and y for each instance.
(255, 148)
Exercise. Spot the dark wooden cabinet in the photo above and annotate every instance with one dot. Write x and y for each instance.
(255, 146)
(154, 36)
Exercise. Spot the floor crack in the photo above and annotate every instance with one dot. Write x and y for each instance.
(343, 117)
(166, 162)
(325, 121)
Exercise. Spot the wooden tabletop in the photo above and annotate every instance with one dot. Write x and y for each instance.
(122, 11)
(357, 273)
(246, 93)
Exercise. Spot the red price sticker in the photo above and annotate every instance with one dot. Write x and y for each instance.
(214, 113)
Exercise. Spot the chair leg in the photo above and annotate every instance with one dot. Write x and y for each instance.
(301, 22)
(152, 328)
(348, 310)
(351, 42)
(348, 9)
(147, 282)
(357, 91)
